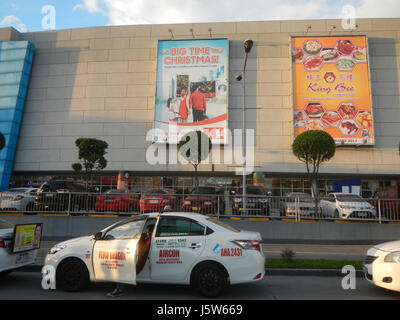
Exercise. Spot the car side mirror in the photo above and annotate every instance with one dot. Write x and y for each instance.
(98, 235)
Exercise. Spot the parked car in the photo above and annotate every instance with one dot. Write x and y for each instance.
(382, 265)
(297, 202)
(10, 260)
(19, 199)
(117, 200)
(183, 248)
(63, 195)
(346, 205)
(206, 200)
(155, 200)
(256, 201)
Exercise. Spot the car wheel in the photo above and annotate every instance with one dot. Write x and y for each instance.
(72, 275)
(210, 280)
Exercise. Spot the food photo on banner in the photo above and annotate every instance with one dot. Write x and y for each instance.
(191, 89)
(331, 88)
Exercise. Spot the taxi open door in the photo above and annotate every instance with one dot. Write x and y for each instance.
(115, 251)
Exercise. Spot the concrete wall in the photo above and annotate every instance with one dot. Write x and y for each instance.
(59, 228)
(99, 82)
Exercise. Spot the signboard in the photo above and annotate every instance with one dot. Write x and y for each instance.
(191, 89)
(331, 88)
(27, 237)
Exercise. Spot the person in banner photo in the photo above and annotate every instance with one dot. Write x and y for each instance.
(38, 234)
(183, 106)
(197, 103)
(173, 115)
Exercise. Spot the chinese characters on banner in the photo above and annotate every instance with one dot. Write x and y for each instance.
(191, 89)
(331, 89)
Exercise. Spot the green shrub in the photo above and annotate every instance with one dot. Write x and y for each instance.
(287, 255)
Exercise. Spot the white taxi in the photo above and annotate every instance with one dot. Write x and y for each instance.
(169, 247)
(382, 265)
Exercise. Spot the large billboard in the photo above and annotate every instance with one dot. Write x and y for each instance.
(191, 89)
(331, 88)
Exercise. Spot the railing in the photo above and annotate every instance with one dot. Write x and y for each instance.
(224, 205)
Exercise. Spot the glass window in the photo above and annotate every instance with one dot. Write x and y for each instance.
(116, 192)
(18, 190)
(128, 230)
(349, 197)
(156, 191)
(223, 225)
(5, 225)
(173, 227)
(252, 190)
(204, 190)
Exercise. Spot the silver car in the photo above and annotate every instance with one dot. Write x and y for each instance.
(19, 199)
(297, 202)
(346, 205)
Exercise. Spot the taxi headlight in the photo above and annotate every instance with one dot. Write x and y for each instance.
(393, 257)
(57, 248)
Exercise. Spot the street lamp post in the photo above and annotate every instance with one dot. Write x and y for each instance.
(248, 44)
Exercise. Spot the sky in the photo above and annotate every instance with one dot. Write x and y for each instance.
(39, 15)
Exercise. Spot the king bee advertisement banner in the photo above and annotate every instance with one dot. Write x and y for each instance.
(191, 89)
(331, 88)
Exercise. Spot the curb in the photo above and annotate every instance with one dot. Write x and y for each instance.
(272, 272)
(310, 272)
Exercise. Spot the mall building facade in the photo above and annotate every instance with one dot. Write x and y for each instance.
(100, 82)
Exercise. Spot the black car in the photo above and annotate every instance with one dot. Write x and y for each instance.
(62, 195)
(256, 201)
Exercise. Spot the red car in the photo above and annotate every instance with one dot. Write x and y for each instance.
(155, 200)
(117, 200)
(206, 200)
